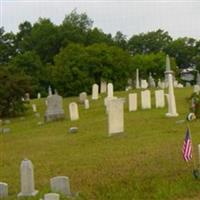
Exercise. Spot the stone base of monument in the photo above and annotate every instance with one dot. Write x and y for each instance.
(171, 115)
(53, 117)
(21, 194)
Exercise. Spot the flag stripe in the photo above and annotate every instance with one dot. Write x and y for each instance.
(187, 147)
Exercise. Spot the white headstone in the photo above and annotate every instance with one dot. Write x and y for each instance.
(82, 97)
(144, 84)
(103, 87)
(3, 190)
(171, 102)
(27, 179)
(34, 108)
(73, 111)
(60, 184)
(196, 89)
(38, 95)
(137, 81)
(115, 116)
(146, 99)
(51, 196)
(132, 100)
(110, 90)
(87, 104)
(160, 98)
(95, 91)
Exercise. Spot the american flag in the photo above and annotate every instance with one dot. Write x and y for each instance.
(187, 146)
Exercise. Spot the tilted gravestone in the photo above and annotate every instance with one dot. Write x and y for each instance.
(60, 184)
(3, 190)
(54, 108)
(73, 111)
(27, 179)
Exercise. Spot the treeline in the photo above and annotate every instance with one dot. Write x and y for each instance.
(73, 55)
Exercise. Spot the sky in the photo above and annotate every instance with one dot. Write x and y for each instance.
(180, 18)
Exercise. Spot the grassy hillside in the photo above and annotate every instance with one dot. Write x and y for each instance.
(145, 162)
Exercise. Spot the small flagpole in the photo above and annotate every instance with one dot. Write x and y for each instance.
(193, 150)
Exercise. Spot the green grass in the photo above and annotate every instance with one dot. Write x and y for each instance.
(145, 162)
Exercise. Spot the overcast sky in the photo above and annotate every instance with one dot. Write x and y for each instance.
(179, 18)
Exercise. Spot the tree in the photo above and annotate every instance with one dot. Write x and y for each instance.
(7, 47)
(13, 86)
(120, 40)
(151, 42)
(183, 50)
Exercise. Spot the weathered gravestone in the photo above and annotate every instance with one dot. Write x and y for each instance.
(27, 179)
(95, 91)
(73, 111)
(160, 98)
(132, 102)
(54, 108)
(87, 104)
(196, 89)
(115, 116)
(146, 99)
(144, 84)
(151, 81)
(3, 190)
(60, 184)
(51, 196)
(110, 90)
(38, 95)
(103, 87)
(82, 97)
(34, 108)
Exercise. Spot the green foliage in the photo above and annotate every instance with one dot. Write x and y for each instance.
(154, 63)
(151, 42)
(77, 67)
(13, 86)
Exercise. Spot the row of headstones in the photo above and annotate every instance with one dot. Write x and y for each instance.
(146, 100)
(58, 184)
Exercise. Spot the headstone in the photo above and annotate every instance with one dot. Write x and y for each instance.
(137, 81)
(110, 90)
(82, 97)
(159, 84)
(27, 179)
(6, 130)
(87, 104)
(73, 129)
(198, 78)
(146, 99)
(54, 108)
(27, 97)
(73, 111)
(49, 91)
(196, 89)
(34, 108)
(160, 98)
(38, 95)
(188, 84)
(171, 99)
(60, 184)
(144, 84)
(7, 121)
(151, 81)
(95, 91)
(103, 87)
(132, 102)
(3, 190)
(175, 83)
(51, 196)
(115, 116)
(180, 85)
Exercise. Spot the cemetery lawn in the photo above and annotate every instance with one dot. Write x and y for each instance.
(145, 162)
